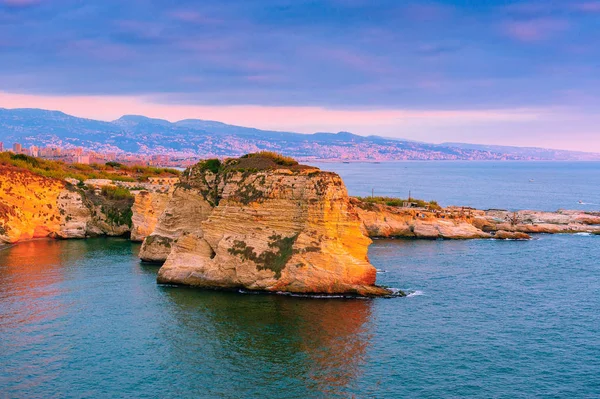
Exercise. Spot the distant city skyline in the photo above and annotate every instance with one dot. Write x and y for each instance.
(522, 73)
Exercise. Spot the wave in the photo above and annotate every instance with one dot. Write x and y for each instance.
(415, 293)
(583, 234)
(381, 271)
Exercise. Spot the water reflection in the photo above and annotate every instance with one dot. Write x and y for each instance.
(278, 343)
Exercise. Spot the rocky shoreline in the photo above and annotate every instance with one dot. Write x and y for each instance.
(457, 223)
(254, 224)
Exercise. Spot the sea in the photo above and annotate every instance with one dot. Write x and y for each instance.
(482, 319)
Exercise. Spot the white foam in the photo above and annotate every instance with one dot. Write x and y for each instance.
(583, 234)
(415, 293)
(381, 271)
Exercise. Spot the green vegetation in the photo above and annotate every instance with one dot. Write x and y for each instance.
(117, 216)
(61, 170)
(214, 165)
(275, 157)
(116, 193)
(268, 260)
(391, 201)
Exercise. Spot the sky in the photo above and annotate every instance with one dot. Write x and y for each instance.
(494, 72)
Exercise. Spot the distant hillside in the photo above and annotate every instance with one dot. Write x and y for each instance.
(529, 152)
(193, 137)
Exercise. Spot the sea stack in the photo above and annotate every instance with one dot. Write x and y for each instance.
(263, 222)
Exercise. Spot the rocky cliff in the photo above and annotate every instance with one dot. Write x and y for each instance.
(260, 223)
(33, 206)
(146, 210)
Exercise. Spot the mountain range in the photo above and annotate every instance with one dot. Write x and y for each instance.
(203, 138)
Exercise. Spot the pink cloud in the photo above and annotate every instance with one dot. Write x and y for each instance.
(534, 30)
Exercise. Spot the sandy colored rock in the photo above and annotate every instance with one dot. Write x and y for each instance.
(288, 229)
(511, 235)
(183, 213)
(28, 205)
(389, 221)
(147, 208)
(34, 206)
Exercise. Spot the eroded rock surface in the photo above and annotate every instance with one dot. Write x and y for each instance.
(34, 206)
(254, 224)
(147, 208)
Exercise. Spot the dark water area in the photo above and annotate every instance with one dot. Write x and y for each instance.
(546, 186)
(486, 319)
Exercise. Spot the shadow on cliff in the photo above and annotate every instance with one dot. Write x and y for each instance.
(296, 345)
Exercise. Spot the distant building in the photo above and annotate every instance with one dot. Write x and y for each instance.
(1, 146)
(34, 151)
(17, 148)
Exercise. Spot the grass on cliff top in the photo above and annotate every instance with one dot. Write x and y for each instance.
(392, 201)
(61, 170)
(263, 160)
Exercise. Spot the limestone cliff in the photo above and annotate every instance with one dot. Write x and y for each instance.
(255, 224)
(147, 208)
(33, 206)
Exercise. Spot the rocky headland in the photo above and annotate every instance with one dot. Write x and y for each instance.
(263, 223)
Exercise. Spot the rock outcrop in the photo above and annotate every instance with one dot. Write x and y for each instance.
(256, 224)
(386, 221)
(34, 206)
(389, 221)
(511, 235)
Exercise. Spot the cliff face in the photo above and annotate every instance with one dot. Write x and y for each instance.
(33, 206)
(183, 213)
(28, 205)
(147, 208)
(272, 228)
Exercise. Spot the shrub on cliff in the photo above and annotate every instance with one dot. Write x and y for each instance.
(275, 157)
(116, 193)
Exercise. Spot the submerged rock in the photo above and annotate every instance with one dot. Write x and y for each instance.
(511, 235)
(263, 223)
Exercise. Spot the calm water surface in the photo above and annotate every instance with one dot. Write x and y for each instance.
(547, 186)
(486, 319)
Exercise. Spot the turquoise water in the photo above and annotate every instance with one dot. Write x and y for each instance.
(547, 186)
(485, 319)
